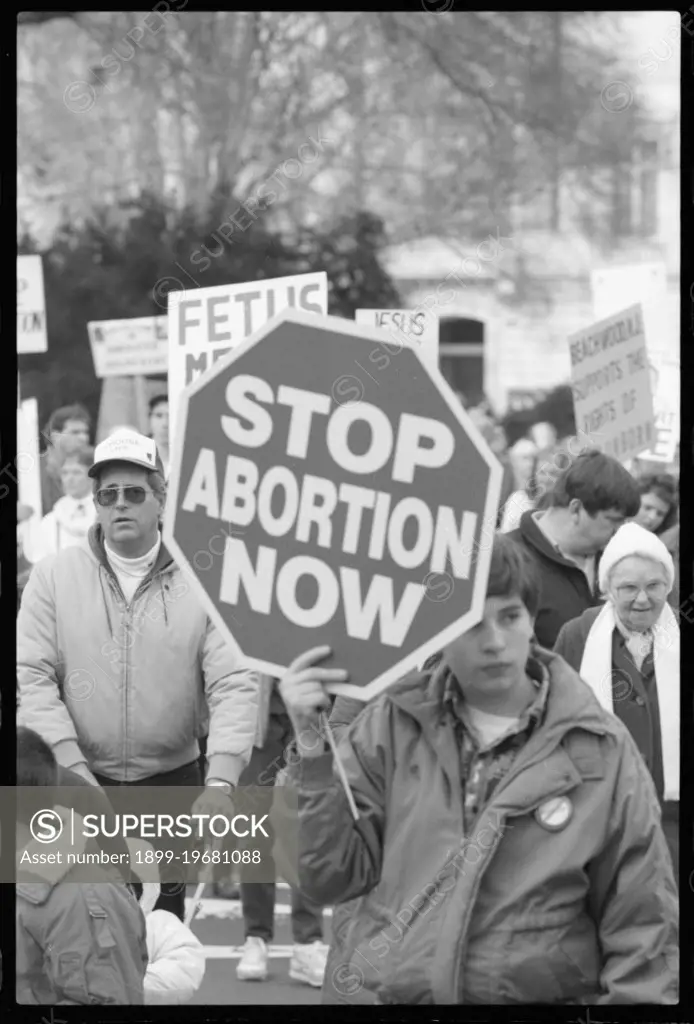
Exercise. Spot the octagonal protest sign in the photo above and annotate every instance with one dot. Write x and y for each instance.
(328, 488)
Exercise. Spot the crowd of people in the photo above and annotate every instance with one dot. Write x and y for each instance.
(543, 743)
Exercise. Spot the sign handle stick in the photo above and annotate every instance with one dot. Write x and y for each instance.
(205, 875)
(197, 896)
(340, 769)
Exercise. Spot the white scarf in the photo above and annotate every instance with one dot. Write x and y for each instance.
(596, 671)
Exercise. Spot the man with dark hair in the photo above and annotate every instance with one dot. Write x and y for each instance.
(67, 430)
(590, 501)
(78, 943)
(119, 667)
(497, 751)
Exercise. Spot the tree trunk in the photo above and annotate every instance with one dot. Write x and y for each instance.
(555, 213)
(359, 87)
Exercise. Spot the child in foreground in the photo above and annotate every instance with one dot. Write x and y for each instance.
(78, 943)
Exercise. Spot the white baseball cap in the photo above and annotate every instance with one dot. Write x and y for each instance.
(127, 446)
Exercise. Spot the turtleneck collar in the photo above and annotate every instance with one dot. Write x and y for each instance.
(139, 566)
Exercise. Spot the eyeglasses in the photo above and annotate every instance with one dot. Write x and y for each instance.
(133, 494)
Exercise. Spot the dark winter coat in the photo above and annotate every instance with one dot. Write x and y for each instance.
(565, 592)
(635, 697)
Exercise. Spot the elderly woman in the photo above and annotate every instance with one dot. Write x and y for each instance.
(628, 652)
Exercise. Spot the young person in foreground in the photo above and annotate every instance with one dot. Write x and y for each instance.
(509, 847)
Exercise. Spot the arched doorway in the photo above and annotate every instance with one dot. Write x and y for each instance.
(461, 356)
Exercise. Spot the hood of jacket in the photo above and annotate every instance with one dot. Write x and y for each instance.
(537, 539)
(570, 703)
(97, 547)
(36, 873)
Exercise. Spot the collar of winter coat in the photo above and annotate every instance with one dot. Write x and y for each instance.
(570, 703)
(96, 545)
(36, 879)
(527, 720)
(540, 541)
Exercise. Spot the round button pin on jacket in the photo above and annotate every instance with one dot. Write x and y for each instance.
(554, 814)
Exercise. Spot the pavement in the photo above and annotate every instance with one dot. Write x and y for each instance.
(219, 926)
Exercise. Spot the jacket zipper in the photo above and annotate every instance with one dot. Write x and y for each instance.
(128, 620)
(141, 588)
(118, 592)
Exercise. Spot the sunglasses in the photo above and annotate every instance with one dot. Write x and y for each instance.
(133, 494)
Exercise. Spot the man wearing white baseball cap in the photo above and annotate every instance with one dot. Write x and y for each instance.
(119, 668)
(628, 651)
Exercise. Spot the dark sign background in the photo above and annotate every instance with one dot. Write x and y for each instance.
(346, 368)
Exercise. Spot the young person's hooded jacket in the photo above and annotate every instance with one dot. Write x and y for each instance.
(584, 910)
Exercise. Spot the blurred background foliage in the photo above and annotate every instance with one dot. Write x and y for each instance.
(141, 132)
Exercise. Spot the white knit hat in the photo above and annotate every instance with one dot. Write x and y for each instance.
(632, 539)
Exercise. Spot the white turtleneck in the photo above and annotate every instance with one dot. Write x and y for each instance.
(131, 571)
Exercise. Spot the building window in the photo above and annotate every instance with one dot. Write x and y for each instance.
(622, 176)
(461, 357)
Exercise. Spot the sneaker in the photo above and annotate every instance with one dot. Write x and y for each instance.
(308, 963)
(253, 963)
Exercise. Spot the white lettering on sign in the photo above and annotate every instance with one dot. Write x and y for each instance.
(202, 489)
(360, 613)
(315, 510)
(357, 499)
(327, 591)
(318, 502)
(360, 617)
(303, 405)
(239, 393)
(380, 438)
(411, 454)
